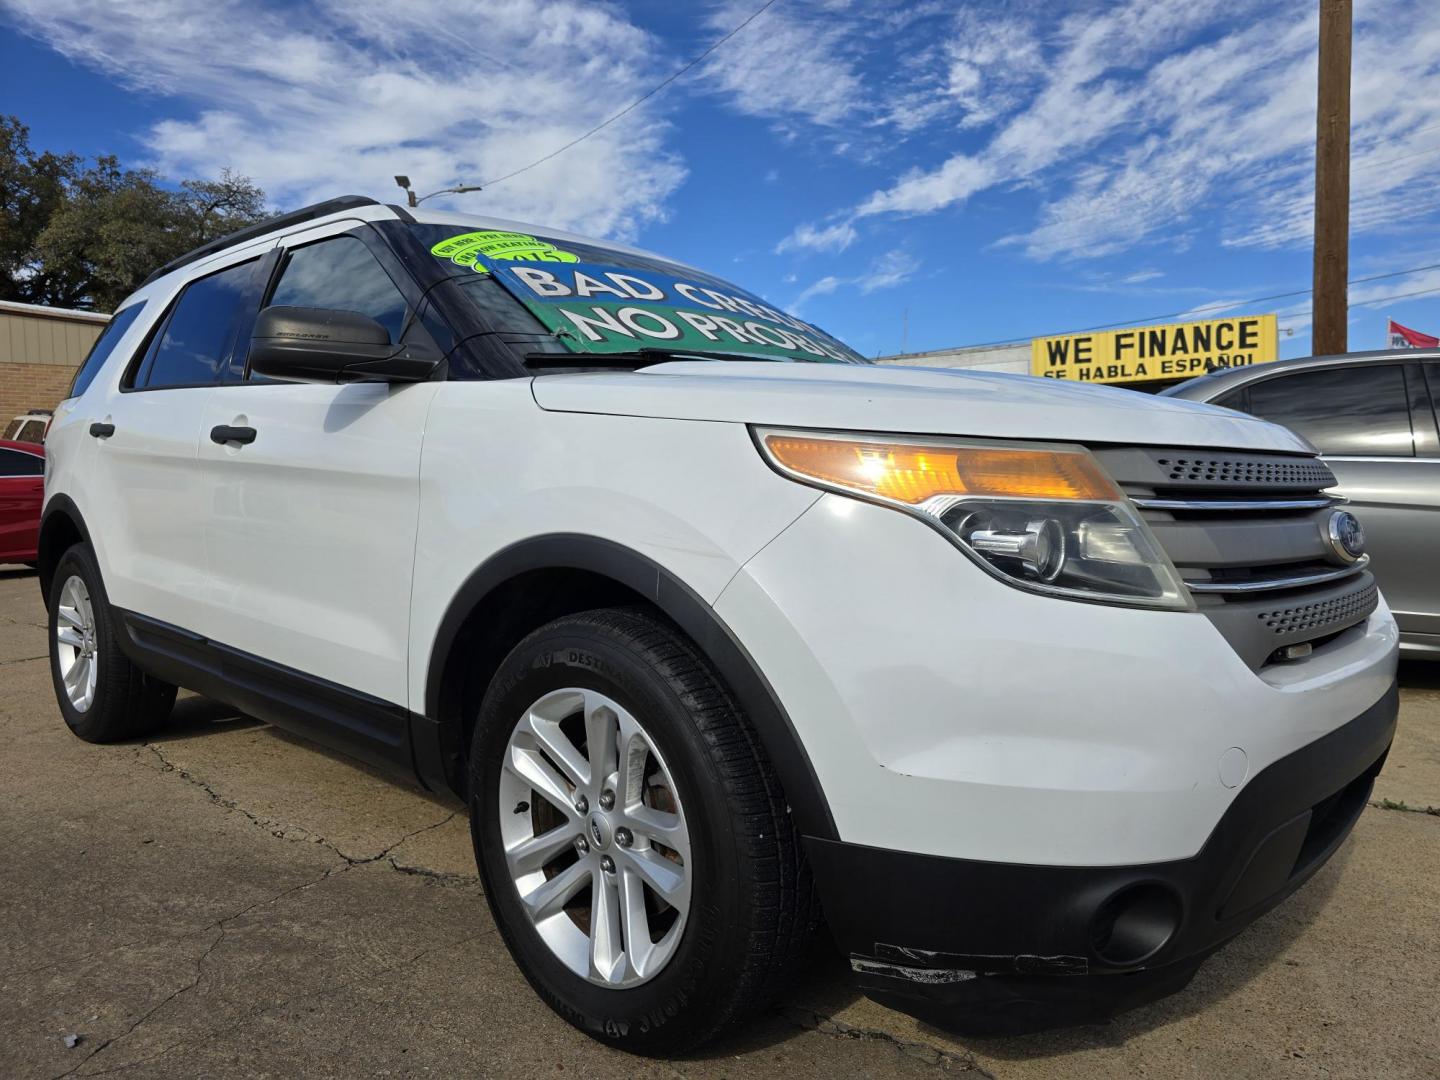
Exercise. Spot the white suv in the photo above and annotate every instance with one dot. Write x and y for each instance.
(1035, 693)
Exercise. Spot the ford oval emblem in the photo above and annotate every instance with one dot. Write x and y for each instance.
(1346, 536)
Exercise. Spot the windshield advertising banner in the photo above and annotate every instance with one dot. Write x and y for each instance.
(603, 307)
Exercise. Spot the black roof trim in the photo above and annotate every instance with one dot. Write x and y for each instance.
(250, 232)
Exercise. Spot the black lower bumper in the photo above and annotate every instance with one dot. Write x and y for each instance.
(996, 948)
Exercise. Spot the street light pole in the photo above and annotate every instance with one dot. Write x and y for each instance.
(1329, 301)
(404, 182)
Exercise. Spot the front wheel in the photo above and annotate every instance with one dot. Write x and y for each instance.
(102, 695)
(631, 834)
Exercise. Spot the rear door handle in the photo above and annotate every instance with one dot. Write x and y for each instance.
(224, 433)
(102, 431)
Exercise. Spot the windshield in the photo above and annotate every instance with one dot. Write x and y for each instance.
(600, 300)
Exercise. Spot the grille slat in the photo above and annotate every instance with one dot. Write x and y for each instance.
(1275, 584)
(1246, 530)
(1238, 505)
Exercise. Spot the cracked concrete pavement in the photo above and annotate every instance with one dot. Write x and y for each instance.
(227, 900)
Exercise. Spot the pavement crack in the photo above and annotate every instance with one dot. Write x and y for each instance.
(280, 830)
(306, 995)
(223, 925)
(838, 1029)
(441, 877)
(1403, 807)
(148, 1013)
(24, 660)
(408, 836)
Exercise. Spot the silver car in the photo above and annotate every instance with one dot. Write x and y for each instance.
(1373, 417)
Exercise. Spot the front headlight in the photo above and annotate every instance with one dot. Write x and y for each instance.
(1041, 517)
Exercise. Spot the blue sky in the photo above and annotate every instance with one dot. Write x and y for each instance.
(995, 169)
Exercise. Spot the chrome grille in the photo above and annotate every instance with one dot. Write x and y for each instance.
(1246, 532)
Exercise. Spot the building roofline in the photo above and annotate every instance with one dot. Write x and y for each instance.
(41, 311)
(954, 351)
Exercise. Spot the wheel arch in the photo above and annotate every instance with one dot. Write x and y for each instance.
(593, 572)
(61, 526)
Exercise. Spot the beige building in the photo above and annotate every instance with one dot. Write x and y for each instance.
(40, 348)
(1014, 359)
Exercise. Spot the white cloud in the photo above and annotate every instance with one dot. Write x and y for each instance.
(339, 97)
(891, 269)
(835, 237)
(825, 285)
(1131, 118)
(797, 62)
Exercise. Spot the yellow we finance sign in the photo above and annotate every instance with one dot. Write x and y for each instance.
(1143, 353)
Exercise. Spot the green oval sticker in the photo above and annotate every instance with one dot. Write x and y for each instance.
(467, 248)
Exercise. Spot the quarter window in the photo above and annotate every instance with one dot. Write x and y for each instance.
(194, 345)
(340, 274)
(1359, 411)
(104, 345)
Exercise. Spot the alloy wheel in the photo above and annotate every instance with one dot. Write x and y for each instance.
(595, 837)
(77, 646)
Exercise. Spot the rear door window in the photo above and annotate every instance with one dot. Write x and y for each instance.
(1361, 411)
(193, 346)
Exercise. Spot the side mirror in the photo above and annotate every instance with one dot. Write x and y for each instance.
(297, 344)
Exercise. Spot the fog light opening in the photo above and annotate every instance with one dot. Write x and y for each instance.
(1134, 924)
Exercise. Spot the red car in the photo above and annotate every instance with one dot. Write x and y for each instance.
(22, 490)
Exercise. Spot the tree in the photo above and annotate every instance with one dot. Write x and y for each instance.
(86, 236)
(211, 208)
(32, 187)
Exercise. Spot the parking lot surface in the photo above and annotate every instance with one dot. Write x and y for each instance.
(227, 900)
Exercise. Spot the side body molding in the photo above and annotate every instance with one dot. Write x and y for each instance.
(436, 737)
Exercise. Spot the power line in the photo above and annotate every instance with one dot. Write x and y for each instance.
(1218, 306)
(638, 101)
(1121, 208)
(1368, 303)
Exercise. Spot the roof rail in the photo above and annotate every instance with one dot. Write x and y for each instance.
(250, 232)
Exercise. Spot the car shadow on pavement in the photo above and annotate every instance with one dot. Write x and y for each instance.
(9, 571)
(198, 717)
(195, 717)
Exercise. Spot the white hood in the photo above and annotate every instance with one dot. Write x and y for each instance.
(931, 401)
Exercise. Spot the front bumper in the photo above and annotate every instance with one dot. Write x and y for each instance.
(996, 948)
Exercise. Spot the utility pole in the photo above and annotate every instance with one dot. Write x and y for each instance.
(1329, 302)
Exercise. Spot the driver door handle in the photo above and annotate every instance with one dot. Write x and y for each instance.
(224, 433)
(102, 431)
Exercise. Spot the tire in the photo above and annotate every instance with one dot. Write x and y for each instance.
(750, 913)
(123, 702)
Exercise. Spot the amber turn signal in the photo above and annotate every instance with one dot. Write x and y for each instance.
(913, 472)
